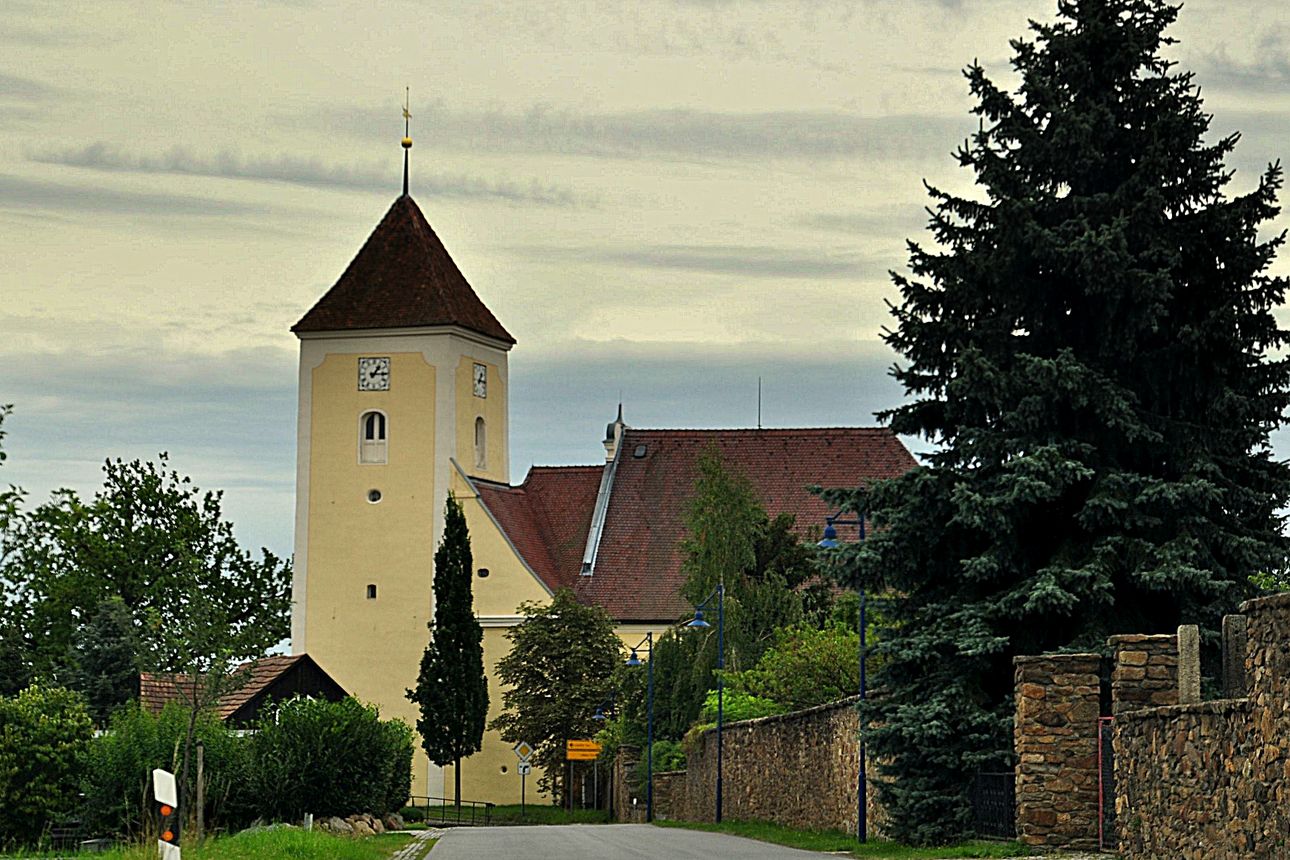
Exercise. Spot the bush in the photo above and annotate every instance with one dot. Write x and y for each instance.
(329, 758)
(805, 667)
(45, 734)
(737, 705)
(118, 781)
(413, 813)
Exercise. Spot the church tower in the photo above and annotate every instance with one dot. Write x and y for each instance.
(402, 373)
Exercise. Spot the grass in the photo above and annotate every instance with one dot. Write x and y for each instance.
(545, 813)
(265, 845)
(831, 840)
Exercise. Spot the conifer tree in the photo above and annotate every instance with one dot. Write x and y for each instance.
(105, 660)
(452, 691)
(1090, 344)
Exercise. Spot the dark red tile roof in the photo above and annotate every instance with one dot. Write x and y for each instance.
(547, 517)
(157, 690)
(402, 278)
(637, 575)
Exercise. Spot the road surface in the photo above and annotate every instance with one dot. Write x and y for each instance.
(604, 842)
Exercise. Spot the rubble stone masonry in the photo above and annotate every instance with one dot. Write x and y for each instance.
(1055, 734)
(1212, 780)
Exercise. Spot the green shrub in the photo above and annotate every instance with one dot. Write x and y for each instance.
(329, 758)
(118, 781)
(737, 705)
(413, 813)
(45, 734)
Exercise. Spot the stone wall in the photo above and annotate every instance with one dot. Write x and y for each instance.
(1212, 780)
(797, 769)
(669, 795)
(625, 803)
(1055, 734)
(1144, 673)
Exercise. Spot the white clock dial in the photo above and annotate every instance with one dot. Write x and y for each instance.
(373, 374)
(481, 381)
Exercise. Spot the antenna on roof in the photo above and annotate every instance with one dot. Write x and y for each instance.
(759, 403)
(407, 138)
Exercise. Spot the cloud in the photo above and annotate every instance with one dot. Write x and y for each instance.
(14, 88)
(683, 133)
(883, 222)
(25, 194)
(1268, 72)
(750, 261)
(305, 171)
(228, 420)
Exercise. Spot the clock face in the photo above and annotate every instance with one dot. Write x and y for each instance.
(373, 374)
(481, 381)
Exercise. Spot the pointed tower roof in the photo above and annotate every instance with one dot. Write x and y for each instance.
(402, 278)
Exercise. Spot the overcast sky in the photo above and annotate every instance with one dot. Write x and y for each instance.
(661, 199)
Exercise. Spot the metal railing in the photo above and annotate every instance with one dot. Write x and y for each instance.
(994, 805)
(446, 812)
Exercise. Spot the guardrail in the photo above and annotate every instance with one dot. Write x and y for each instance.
(446, 812)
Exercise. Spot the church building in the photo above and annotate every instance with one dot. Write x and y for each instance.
(403, 390)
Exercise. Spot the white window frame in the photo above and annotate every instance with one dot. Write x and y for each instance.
(373, 452)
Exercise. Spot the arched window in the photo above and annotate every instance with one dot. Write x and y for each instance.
(481, 448)
(372, 437)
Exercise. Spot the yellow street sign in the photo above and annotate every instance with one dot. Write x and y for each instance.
(581, 750)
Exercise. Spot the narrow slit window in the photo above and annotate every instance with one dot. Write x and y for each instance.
(372, 438)
(481, 447)
(371, 592)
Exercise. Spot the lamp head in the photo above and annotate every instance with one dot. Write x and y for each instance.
(830, 537)
(599, 715)
(633, 660)
(698, 620)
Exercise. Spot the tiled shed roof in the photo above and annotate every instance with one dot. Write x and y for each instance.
(637, 575)
(547, 517)
(402, 278)
(157, 690)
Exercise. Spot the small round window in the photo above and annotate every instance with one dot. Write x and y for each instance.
(373, 496)
(483, 573)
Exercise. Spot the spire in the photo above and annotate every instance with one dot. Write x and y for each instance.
(407, 139)
(614, 434)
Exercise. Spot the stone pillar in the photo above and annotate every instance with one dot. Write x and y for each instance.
(1055, 734)
(1188, 664)
(1145, 672)
(1235, 639)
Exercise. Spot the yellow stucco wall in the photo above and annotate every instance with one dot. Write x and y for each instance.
(372, 647)
(492, 408)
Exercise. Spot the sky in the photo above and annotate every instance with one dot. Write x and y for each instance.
(663, 201)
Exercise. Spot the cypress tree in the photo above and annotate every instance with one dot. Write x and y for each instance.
(1091, 347)
(452, 691)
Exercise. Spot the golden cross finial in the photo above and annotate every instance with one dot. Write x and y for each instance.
(406, 104)
(407, 138)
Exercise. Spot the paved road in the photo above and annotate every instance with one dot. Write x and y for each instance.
(607, 841)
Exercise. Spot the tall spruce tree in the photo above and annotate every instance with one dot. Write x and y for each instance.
(1092, 348)
(452, 691)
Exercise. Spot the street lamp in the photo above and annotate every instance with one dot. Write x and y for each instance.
(634, 660)
(719, 593)
(831, 542)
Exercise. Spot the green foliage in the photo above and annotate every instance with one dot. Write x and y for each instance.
(764, 567)
(45, 734)
(15, 644)
(328, 758)
(452, 690)
(736, 705)
(155, 542)
(1089, 347)
(105, 660)
(560, 668)
(118, 778)
(805, 667)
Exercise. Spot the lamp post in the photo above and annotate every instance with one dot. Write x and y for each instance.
(633, 660)
(720, 594)
(862, 788)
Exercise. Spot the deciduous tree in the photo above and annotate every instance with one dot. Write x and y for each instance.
(559, 670)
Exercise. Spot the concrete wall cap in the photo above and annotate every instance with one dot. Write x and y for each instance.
(1045, 658)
